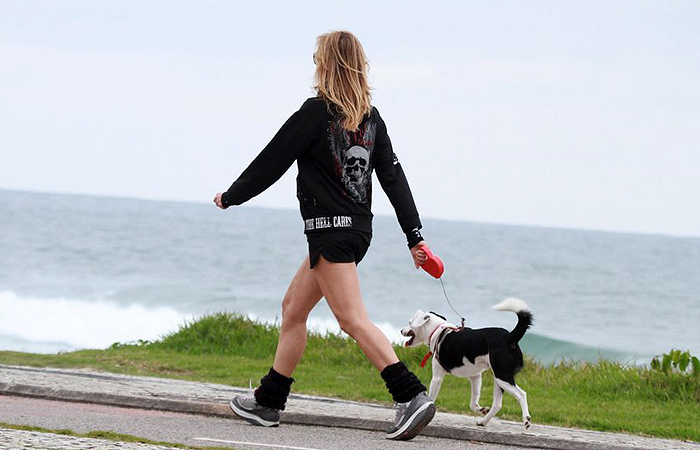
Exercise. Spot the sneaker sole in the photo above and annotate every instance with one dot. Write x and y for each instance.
(249, 417)
(415, 424)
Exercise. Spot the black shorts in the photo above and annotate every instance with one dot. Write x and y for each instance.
(338, 246)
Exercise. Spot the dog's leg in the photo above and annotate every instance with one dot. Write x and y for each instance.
(523, 404)
(438, 375)
(521, 396)
(476, 395)
(495, 407)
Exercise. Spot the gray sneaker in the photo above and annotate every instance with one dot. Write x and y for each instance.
(248, 409)
(411, 418)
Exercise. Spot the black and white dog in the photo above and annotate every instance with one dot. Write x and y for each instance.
(466, 353)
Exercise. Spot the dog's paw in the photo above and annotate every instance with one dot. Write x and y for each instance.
(527, 422)
(483, 410)
(481, 422)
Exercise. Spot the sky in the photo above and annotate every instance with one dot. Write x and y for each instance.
(545, 113)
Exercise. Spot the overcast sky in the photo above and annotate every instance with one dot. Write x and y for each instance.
(565, 114)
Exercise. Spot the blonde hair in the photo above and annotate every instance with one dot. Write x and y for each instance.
(341, 76)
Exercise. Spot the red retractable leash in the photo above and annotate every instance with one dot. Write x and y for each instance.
(435, 267)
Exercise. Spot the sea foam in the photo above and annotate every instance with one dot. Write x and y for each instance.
(31, 324)
(51, 325)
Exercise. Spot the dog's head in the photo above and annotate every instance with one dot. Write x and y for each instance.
(420, 326)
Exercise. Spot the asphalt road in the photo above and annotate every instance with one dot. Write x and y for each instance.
(208, 431)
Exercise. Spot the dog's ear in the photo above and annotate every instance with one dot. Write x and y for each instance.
(420, 319)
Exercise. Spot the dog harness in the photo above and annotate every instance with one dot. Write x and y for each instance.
(446, 329)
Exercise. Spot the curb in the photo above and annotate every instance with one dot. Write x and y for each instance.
(223, 410)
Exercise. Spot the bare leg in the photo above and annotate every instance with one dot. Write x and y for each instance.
(301, 297)
(341, 287)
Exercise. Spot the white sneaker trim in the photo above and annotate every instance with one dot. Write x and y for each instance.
(409, 421)
(247, 415)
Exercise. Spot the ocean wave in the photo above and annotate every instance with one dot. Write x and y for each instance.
(50, 325)
(18, 344)
(549, 350)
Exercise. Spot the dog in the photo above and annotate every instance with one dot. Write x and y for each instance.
(466, 353)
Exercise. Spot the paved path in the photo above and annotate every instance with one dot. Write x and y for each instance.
(17, 439)
(212, 399)
(206, 431)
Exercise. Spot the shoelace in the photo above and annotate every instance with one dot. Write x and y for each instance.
(249, 401)
(400, 410)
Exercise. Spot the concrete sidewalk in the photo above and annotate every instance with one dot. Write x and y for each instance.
(212, 399)
(33, 440)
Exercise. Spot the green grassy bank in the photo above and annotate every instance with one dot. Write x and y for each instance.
(228, 349)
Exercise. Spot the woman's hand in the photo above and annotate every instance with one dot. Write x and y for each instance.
(217, 200)
(419, 256)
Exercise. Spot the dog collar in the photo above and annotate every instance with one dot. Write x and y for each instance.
(430, 352)
(444, 326)
(425, 359)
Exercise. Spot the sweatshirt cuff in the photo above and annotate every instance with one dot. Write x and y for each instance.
(413, 237)
(225, 200)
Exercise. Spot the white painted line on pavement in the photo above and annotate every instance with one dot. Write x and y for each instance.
(254, 443)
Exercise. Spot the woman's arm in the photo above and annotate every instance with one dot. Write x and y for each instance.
(395, 185)
(297, 134)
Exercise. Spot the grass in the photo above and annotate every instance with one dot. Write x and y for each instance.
(229, 349)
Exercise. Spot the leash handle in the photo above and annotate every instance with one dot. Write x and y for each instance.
(434, 265)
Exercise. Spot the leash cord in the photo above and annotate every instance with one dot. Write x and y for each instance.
(450, 303)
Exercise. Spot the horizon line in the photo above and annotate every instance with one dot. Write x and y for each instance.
(446, 219)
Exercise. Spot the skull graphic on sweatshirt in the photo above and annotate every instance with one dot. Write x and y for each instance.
(355, 164)
(352, 152)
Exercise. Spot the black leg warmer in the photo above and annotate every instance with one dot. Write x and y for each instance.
(403, 385)
(273, 390)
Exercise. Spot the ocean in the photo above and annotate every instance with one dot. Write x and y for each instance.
(82, 272)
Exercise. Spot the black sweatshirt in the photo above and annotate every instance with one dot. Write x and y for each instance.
(334, 185)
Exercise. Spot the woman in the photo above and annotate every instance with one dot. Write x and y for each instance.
(337, 139)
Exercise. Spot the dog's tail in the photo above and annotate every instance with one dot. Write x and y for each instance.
(520, 308)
